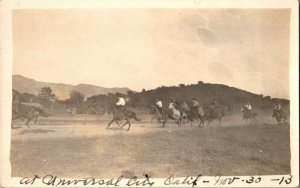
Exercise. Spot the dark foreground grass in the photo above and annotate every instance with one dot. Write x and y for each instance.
(260, 150)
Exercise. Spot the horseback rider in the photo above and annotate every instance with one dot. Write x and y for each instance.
(195, 106)
(216, 104)
(185, 107)
(159, 106)
(172, 104)
(121, 103)
(248, 106)
(277, 108)
(195, 103)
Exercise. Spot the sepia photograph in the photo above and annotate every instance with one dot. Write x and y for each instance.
(102, 95)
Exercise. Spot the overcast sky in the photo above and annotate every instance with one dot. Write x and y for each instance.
(147, 48)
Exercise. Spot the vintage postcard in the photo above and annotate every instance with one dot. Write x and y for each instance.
(149, 93)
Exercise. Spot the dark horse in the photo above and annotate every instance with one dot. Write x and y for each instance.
(248, 114)
(27, 112)
(119, 115)
(280, 116)
(190, 116)
(213, 113)
(161, 117)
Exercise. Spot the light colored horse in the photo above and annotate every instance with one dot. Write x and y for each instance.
(175, 114)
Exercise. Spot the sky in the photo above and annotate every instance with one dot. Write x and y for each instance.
(148, 48)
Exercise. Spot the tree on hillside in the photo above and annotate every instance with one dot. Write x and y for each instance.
(129, 93)
(46, 95)
(267, 98)
(76, 98)
(200, 83)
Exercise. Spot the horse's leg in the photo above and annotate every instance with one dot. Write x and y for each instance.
(110, 123)
(124, 124)
(117, 123)
(129, 125)
(201, 123)
(152, 119)
(127, 121)
(179, 121)
(35, 119)
(27, 123)
(165, 119)
(255, 120)
(158, 120)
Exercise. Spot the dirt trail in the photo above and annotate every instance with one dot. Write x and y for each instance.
(92, 126)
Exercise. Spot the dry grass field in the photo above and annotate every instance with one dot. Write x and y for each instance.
(79, 146)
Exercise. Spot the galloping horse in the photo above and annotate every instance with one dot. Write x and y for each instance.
(191, 115)
(28, 112)
(280, 117)
(174, 114)
(248, 114)
(160, 117)
(213, 113)
(119, 115)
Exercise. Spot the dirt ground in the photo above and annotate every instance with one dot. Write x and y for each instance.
(80, 147)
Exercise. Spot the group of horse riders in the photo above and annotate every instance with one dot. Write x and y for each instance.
(277, 108)
(195, 109)
(121, 103)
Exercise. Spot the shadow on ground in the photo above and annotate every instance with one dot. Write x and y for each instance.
(36, 131)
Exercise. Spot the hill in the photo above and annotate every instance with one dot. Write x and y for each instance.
(62, 91)
(205, 93)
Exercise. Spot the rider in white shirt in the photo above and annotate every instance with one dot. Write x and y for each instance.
(277, 108)
(248, 106)
(159, 105)
(172, 104)
(121, 103)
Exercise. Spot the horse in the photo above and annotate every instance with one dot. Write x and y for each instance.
(174, 114)
(248, 114)
(122, 114)
(280, 117)
(27, 112)
(189, 116)
(156, 114)
(211, 113)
